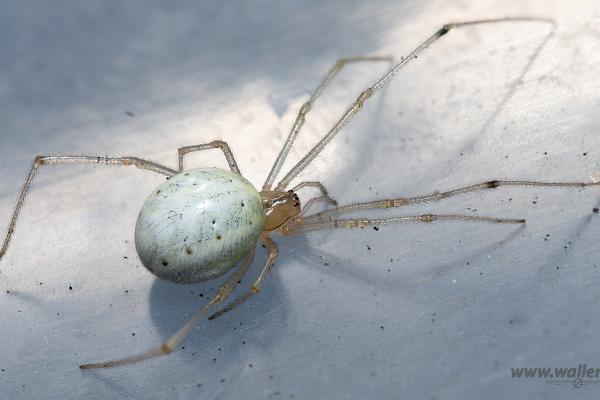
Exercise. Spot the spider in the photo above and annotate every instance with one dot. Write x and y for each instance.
(202, 223)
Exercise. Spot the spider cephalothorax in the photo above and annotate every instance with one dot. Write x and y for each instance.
(280, 207)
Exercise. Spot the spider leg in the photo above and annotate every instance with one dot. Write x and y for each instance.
(367, 93)
(310, 203)
(169, 345)
(318, 185)
(46, 160)
(255, 288)
(337, 67)
(400, 202)
(216, 144)
(323, 197)
(299, 226)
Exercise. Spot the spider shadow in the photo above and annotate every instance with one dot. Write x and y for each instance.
(366, 158)
(471, 145)
(253, 327)
(555, 292)
(312, 256)
(28, 298)
(259, 322)
(562, 257)
(120, 387)
(481, 252)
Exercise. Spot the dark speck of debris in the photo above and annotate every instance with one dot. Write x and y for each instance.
(250, 365)
(557, 267)
(596, 210)
(70, 287)
(545, 153)
(381, 327)
(368, 247)
(325, 264)
(129, 113)
(198, 384)
(125, 257)
(8, 292)
(126, 291)
(214, 359)
(132, 333)
(585, 154)
(376, 228)
(534, 202)
(222, 380)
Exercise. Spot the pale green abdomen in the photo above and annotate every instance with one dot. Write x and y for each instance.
(198, 225)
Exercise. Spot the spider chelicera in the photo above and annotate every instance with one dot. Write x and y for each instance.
(202, 223)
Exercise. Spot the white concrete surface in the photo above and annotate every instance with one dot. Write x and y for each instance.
(437, 311)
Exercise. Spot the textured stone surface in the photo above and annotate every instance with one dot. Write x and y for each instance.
(430, 311)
